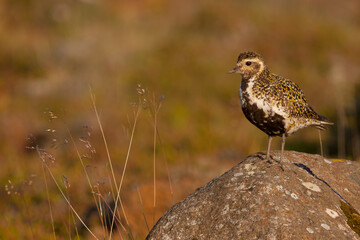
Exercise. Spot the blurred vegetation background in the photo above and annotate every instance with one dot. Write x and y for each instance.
(53, 52)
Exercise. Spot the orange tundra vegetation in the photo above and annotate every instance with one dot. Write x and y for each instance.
(177, 130)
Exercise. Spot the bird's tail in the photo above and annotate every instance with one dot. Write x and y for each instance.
(316, 120)
(321, 122)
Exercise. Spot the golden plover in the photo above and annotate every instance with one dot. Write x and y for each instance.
(277, 106)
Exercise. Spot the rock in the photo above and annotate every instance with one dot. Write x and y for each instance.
(304, 197)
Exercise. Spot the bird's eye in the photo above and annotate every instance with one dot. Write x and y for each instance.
(248, 63)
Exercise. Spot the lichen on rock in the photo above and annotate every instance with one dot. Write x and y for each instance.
(295, 199)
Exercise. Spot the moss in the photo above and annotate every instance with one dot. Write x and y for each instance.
(352, 215)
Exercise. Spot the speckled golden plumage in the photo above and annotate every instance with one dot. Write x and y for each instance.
(274, 104)
(287, 94)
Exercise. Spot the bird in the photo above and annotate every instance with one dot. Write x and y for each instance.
(274, 104)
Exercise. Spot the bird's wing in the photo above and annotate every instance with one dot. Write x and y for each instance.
(293, 98)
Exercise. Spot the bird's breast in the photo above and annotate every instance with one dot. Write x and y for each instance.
(260, 110)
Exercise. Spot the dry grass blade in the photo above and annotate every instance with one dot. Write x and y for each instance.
(103, 136)
(321, 146)
(167, 168)
(49, 202)
(154, 163)
(111, 167)
(124, 170)
(142, 206)
(63, 194)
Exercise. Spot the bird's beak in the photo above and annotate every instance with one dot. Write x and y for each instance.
(234, 70)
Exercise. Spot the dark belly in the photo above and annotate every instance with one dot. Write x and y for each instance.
(272, 125)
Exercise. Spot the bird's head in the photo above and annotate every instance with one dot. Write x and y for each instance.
(249, 64)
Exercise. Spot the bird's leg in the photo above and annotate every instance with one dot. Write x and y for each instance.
(268, 149)
(268, 154)
(321, 146)
(283, 138)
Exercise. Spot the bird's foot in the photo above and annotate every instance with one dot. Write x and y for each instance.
(260, 155)
(274, 163)
(270, 160)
